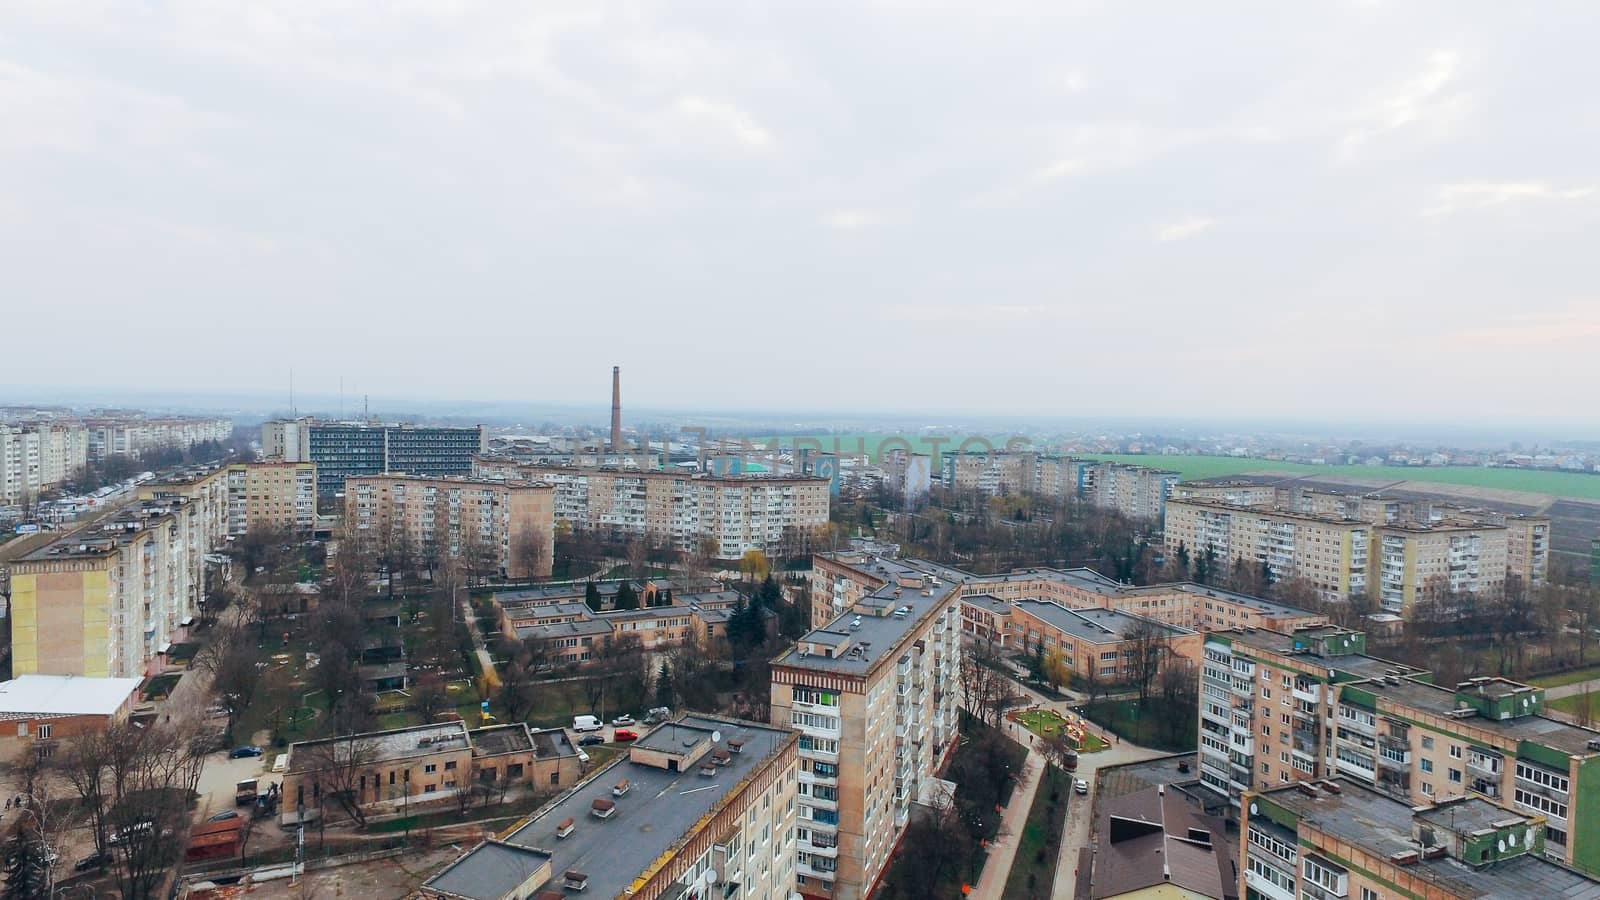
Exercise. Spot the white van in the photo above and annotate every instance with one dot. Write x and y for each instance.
(585, 723)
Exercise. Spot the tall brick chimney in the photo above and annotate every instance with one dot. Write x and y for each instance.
(616, 409)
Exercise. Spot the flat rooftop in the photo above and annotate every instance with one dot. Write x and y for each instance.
(1097, 626)
(879, 634)
(1441, 701)
(549, 610)
(384, 746)
(659, 809)
(498, 739)
(1362, 817)
(1266, 607)
(551, 631)
(1358, 665)
(492, 870)
(64, 695)
(551, 742)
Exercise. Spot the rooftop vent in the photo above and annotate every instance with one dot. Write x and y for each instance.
(576, 881)
(1307, 788)
(602, 808)
(1405, 858)
(735, 745)
(620, 788)
(1332, 787)
(565, 829)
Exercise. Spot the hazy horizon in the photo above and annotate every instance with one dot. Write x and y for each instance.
(1358, 211)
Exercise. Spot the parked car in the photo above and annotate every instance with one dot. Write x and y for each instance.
(1079, 786)
(623, 719)
(624, 734)
(92, 861)
(658, 714)
(121, 835)
(244, 752)
(224, 816)
(590, 740)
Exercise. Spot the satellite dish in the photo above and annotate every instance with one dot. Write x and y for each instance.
(1512, 838)
(1502, 845)
(708, 877)
(1253, 809)
(716, 737)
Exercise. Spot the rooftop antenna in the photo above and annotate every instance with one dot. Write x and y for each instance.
(364, 413)
(341, 398)
(291, 392)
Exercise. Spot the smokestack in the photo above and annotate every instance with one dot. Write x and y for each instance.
(616, 409)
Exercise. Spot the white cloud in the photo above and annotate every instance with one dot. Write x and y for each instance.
(853, 219)
(1455, 198)
(1429, 101)
(723, 117)
(1183, 229)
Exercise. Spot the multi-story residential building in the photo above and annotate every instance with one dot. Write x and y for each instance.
(344, 449)
(1338, 838)
(996, 473)
(133, 434)
(1234, 493)
(875, 696)
(1138, 492)
(1434, 562)
(36, 457)
(448, 516)
(382, 770)
(109, 599)
(699, 808)
(838, 580)
(205, 491)
(1278, 708)
(1527, 548)
(571, 632)
(907, 474)
(739, 513)
(279, 496)
(1331, 553)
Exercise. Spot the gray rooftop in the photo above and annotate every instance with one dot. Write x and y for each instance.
(554, 630)
(1097, 626)
(658, 810)
(1365, 818)
(548, 610)
(1538, 729)
(1358, 665)
(401, 743)
(497, 739)
(879, 630)
(493, 870)
(1269, 607)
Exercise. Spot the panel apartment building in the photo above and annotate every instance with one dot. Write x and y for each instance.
(276, 496)
(738, 512)
(449, 514)
(1338, 838)
(1138, 492)
(839, 579)
(875, 695)
(109, 599)
(1278, 708)
(700, 808)
(1395, 561)
(36, 457)
(343, 449)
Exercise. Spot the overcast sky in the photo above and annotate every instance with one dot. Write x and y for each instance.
(1381, 210)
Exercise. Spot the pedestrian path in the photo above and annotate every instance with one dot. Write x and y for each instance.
(1003, 849)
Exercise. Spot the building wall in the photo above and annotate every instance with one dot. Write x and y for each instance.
(60, 617)
(450, 513)
(281, 496)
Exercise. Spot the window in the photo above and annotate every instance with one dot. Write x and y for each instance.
(1370, 894)
(1541, 804)
(1324, 875)
(1427, 743)
(1427, 765)
(1455, 776)
(555, 777)
(1455, 751)
(429, 769)
(44, 732)
(1542, 777)
(450, 766)
(1427, 789)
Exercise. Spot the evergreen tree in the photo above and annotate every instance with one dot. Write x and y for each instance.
(591, 596)
(770, 594)
(664, 695)
(627, 597)
(1036, 663)
(27, 870)
(1183, 560)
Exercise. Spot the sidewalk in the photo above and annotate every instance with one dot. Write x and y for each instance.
(1003, 849)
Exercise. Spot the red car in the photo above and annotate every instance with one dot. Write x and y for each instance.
(624, 734)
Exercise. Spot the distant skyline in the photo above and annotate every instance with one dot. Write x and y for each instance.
(1361, 211)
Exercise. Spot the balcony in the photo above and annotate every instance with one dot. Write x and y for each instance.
(1308, 692)
(829, 851)
(808, 870)
(1485, 766)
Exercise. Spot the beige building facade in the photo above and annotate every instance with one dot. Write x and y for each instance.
(279, 496)
(450, 514)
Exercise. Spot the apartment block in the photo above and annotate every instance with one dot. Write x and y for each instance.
(109, 599)
(1331, 553)
(1279, 708)
(133, 434)
(1135, 491)
(701, 808)
(558, 619)
(874, 694)
(1338, 838)
(1432, 562)
(204, 491)
(1138, 492)
(278, 496)
(739, 513)
(341, 450)
(991, 474)
(447, 515)
(37, 457)
(1095, 643)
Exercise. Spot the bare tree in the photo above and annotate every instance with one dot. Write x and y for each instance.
(984, 685)
(232, 658)
(1145, 648)
(516, 690)
(638, 558)
(343, 766)
(430, 696)
(531, 553)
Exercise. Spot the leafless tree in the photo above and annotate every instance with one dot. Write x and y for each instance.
(638, 558)
(531, 553)
(983, 682)
(1145, 648)
(430, 696)
(516, 690)
(232, 658)
(343, 767)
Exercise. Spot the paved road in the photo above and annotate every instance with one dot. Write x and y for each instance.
(1003, 850)
(1079, 811)
(1573, 690)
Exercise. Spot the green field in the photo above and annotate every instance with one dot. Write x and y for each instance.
(1565, 678)
(1561, 484)
(1573, 706)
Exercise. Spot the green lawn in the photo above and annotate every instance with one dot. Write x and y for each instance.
(1156, 727)
(1033, 870)
(1044, 722)
(1561, 679)
(1564, 484)
(1573, 706)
